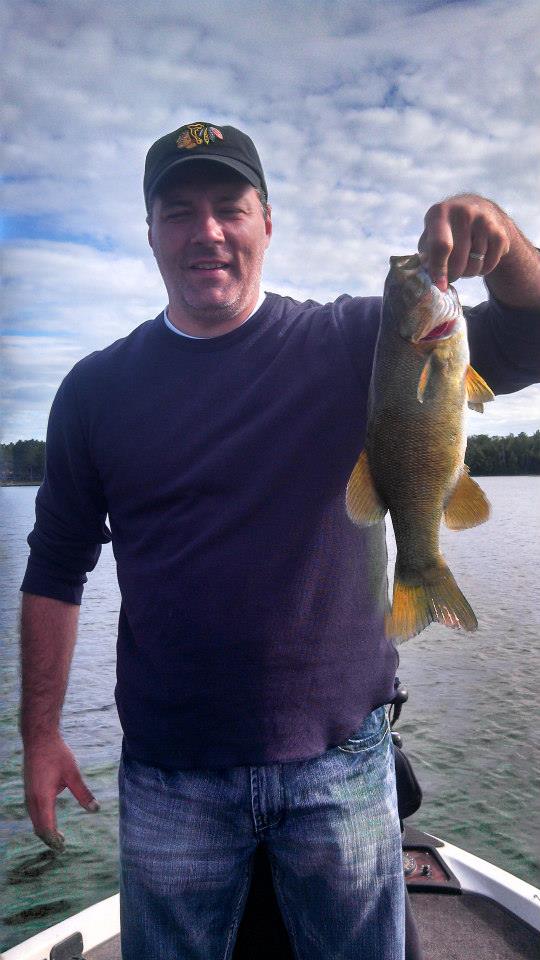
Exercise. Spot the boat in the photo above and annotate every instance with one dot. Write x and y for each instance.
(458, 906)
(464, 907)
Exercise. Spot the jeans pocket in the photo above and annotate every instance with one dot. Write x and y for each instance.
(139, 774)
(374, 729)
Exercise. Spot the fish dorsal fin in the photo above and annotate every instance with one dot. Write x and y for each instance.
(467, 506)
(424, 379)
(364, 506)
(478, 391)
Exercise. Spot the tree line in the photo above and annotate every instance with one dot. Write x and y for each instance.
(511, 455)
(24, 461)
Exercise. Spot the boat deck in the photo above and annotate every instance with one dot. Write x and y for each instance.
(452, 927)
(467, 925)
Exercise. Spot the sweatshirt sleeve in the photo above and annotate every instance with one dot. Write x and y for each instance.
(70, 527)
(504, 345)
(358, 319)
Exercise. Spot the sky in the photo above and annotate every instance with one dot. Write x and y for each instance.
(365, 113)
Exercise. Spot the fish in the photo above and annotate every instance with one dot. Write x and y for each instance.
(412, 464)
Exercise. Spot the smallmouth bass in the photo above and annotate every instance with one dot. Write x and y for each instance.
(413, 461)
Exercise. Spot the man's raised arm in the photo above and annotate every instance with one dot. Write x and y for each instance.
(48, 633)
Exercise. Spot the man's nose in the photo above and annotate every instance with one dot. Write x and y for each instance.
(208, 229)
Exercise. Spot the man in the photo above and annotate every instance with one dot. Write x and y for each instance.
(252, 661)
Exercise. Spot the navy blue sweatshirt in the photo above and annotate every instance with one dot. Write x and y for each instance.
(251, 627)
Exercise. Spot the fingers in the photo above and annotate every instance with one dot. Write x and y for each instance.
(492, 246)
(41, 809)
(48, 771)
(81, 792)
(435, 247)
(53, 838)
(463, 237)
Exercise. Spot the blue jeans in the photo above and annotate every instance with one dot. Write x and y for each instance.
(331, 829)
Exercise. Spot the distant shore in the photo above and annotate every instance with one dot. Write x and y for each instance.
(23, 463)
(20, 483)
(37, 483)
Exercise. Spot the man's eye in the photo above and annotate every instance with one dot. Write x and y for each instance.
(179, 214)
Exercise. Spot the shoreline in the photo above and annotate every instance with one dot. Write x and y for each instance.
(37, 483)
(21, 483)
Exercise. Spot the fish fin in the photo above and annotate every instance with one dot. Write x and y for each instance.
(467, 505)
(364, 506)
(434, 599)
(478, 391)
(424, 378)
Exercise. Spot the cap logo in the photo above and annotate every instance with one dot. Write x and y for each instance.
(195, 134)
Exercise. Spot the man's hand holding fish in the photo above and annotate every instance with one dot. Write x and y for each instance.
(470, 236)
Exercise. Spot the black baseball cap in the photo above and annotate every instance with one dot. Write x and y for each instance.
(203, 141)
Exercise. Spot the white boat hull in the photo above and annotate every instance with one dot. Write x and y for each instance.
(101, 922)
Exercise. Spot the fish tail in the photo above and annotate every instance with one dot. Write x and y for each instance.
(433, 597)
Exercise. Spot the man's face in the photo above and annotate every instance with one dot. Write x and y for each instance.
(208, 233)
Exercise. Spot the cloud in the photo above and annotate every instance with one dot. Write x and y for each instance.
(364, 115)
(515, 413)
(62, 301)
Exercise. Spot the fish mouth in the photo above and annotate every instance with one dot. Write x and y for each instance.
(424, 314)
(437, 315)
(442, 332)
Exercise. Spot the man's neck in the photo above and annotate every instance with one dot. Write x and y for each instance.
(208, 336)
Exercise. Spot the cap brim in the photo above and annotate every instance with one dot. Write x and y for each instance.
(237, 165)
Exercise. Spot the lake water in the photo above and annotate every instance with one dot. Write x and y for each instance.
(471, 726)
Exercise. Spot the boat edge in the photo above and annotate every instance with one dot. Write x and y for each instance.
(480, 876)
(101, 921)
(97, 924)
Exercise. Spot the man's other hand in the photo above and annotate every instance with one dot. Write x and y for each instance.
(50, 767)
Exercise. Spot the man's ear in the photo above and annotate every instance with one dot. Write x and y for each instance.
(268, 223)
(149, 222)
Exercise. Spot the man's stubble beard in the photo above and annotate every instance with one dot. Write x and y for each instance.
(221, 312)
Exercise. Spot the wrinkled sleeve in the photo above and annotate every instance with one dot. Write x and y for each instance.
(504, 345)
(358, 319)
(70, 528)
